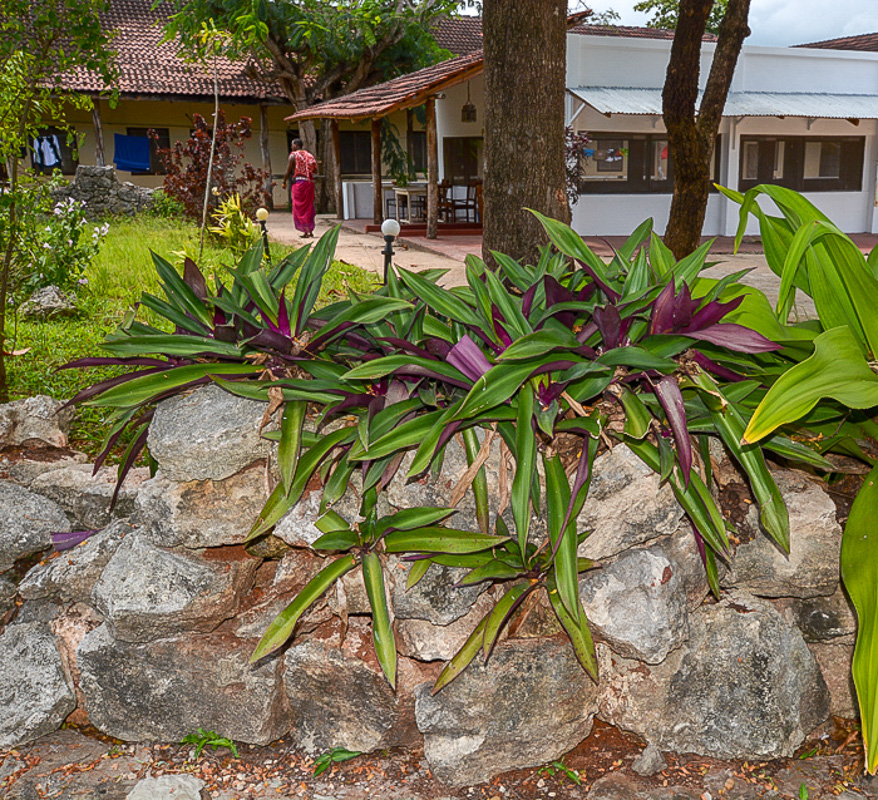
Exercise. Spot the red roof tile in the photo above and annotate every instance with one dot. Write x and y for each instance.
(149, 68)
(629, 32)
(864, 42)
(406, 91)
(460, 35)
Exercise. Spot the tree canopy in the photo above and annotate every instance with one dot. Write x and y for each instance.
(666, 14)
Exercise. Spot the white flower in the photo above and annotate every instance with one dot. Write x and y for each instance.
(82, 281)
(70, 242)
(47, 246)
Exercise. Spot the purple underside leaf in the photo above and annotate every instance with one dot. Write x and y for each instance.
(549, 394)
(684, 307)
(717, 369)
(102, 386)
(64, 541)
(555, 292)
(712, 313)
(527, 299)
(467, 357)
(283, 317)
(438, 347)
(408, 347)
(219, 317)
(272, 339)
(735, 337)
(498, 321)
(612, 295)
(397, 391)
(662, 319)
(104, 361)
(610, 325)
(552, 366)
(194, 279)
(350, 401)
(389, 473)
(225, 333)
(418, 371)
(587, 330)
(125, 467)
(671, 398)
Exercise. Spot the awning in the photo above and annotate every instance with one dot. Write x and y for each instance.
(628, 100)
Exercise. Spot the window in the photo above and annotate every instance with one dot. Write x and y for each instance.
(51, 150)
(156, 167)
(417, 149)
(628, 164)
(463, 158)
(803, 163)
(356, 152)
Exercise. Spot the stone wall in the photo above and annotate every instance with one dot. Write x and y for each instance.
(104, 194)
(146, 629)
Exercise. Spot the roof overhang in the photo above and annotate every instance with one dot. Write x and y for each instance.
(609, 100)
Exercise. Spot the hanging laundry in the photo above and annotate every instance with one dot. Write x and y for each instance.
(131, 153)
(47, 151)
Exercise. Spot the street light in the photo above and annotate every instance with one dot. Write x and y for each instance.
(262, 216)
(390, 230)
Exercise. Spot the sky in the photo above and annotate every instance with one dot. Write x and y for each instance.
(783, 22)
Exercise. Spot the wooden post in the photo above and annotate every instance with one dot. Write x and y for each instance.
(100, 158)
(336, 167)
(432, 171)
(266, 153)
(377, 197)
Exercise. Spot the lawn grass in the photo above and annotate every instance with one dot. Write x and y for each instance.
(119, 275)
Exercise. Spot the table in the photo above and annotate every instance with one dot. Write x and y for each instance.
(410, 193)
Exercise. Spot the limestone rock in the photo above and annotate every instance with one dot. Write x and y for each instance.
(27, 522)
(146, 592)
(86, 497)
(24, 471)
(834, 659)
(625, 505)
(421, 639)
(529, 705)
(744, 686)
(166, 689)
(649, 762)
(73, 574)
(35, 696)
(36, 421)
(297, 527)
(619, 786)
(811, 569)
(199, 514)
(8, 590)
(821, 619)
(167, 787)
(48, 303)
(340, 698)
(433, 598)
(208, 435)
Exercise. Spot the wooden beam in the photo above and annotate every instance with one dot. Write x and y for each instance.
(100, 158)
(432, 171)
(336, 167)
(377, 197)
(265, 151)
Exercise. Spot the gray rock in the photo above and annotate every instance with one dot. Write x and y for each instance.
(27, 522)
(638, 604)
(625, 505)
(24, 471)
(433, 598)
(811, 569)
(8, 591)
(168, 688)
(649, 762)
(35, 696)
(35, 421)
(48, 303)
(421, 639)
(147, 593)
(167, 787)
(619, 786)
(744, 686)
(208, 435)
(200, 514)
(340, 698)
(529, 705)
(297, 527)
(821, 619)
(73, 574)
(834, 659)
(86, 497)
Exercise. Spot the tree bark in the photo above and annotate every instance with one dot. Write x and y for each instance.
(525, 71)
(691, 138)
(377, 194)
(336, 168)
(432, 171)
(265, 151)
(99, 132)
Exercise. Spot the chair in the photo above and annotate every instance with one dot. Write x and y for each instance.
(469, 204)
(446, 205)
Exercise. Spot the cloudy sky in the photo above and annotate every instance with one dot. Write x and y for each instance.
(783, 22)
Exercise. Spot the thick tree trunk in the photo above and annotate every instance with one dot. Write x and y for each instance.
(265, 152)
(525, 70)
(432, 171)
(690, 139)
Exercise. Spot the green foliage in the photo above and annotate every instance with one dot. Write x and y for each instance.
(202, 738)
(334, 756)
(666, 13)
(165, 207)
(560, 768)
(234, 227)
(558, 357)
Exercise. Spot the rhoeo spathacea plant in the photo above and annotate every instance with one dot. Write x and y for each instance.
(547, 363)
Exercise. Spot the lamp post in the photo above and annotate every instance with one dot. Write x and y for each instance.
(390, 230)
(262, 216)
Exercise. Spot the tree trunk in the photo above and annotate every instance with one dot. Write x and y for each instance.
(99, 132)
(690, 140)
(432, 171)
(377, 193)
(525, 71)
(265, 151)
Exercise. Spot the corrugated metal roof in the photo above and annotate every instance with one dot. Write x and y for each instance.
(629, 100)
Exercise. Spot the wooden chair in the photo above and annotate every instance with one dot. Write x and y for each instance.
(447, 211)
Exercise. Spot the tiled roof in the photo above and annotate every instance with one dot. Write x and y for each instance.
(406, 91)
(865, 41)
(628, 32)
(460, 35)
(148, 67)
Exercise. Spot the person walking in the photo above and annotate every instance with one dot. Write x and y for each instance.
(300, 173)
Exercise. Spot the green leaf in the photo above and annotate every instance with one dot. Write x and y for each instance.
(440, 300)
(525, 466)
(410, 518)
(169, 344)
(637, 416)
(498, 616)
(837, 369)
(290, 439)
(283, 624)
(337, 540)
(382, 632)
(440, 540)
(564, 542)
(576, 627)
(417, 571)
(859, 571)
(462, 658)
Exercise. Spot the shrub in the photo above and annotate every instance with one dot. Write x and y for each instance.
(234, 227)
(551, 360)
(187, 166)
(165, 207)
